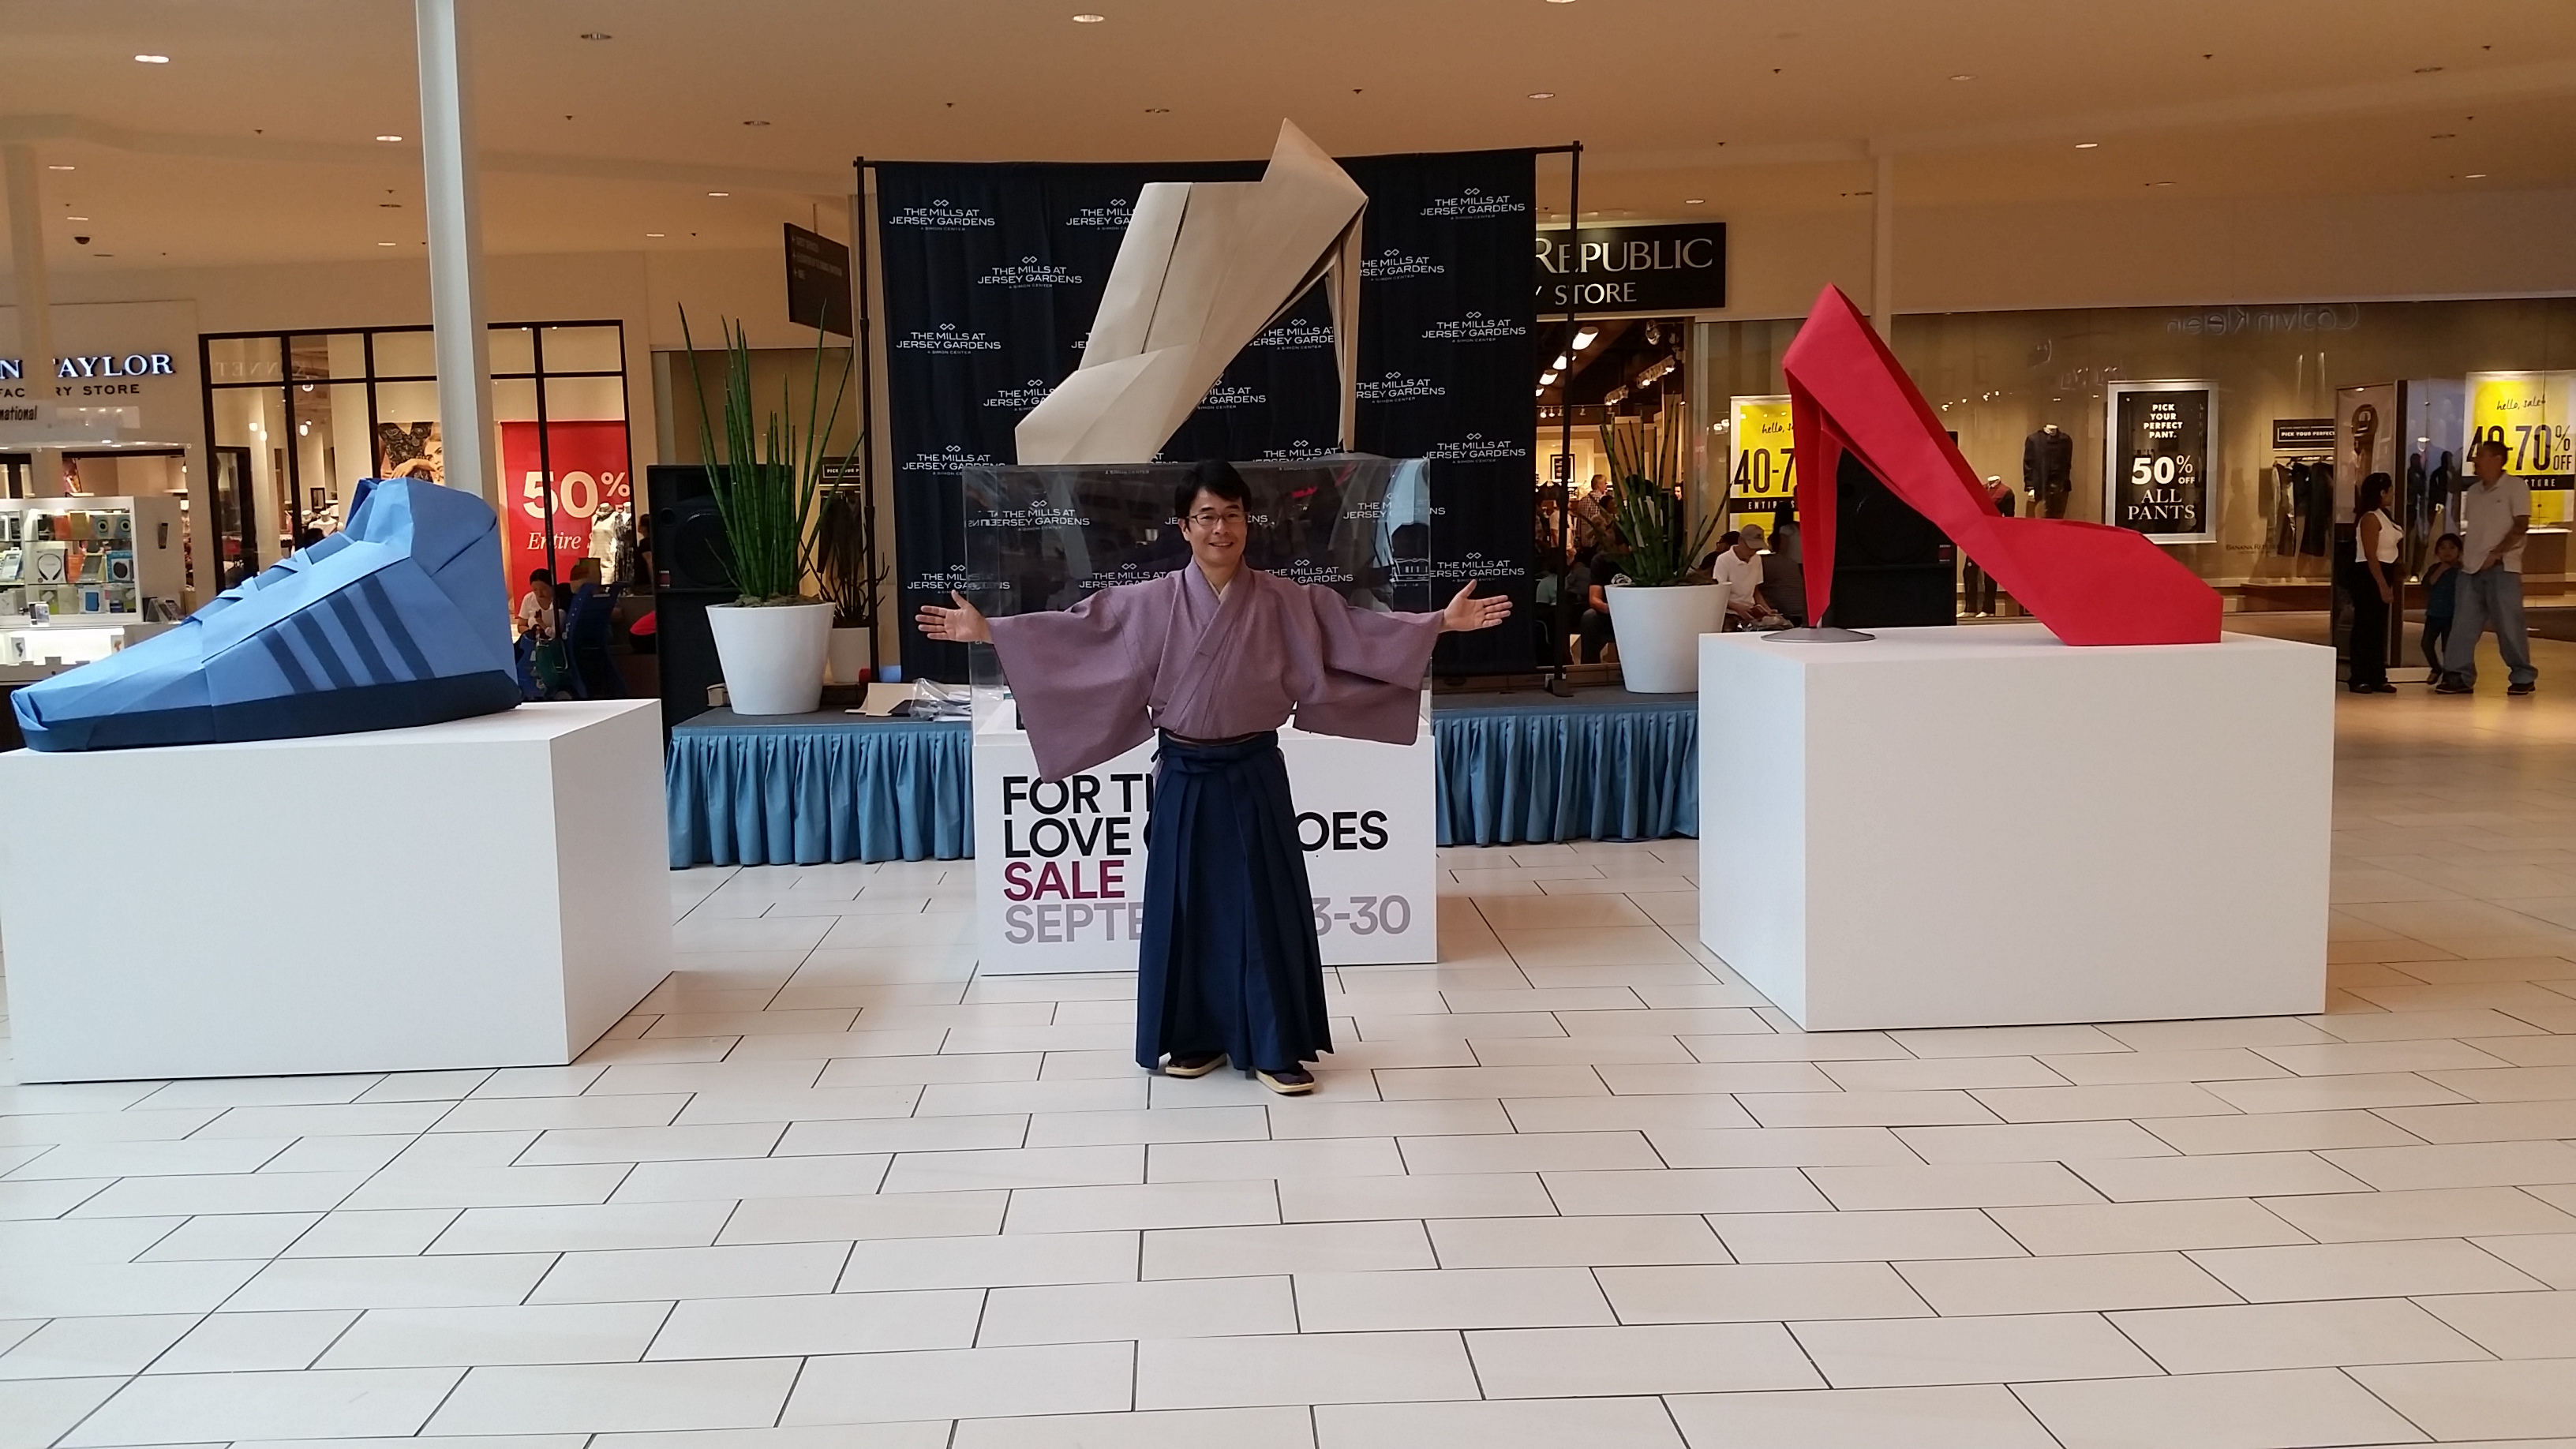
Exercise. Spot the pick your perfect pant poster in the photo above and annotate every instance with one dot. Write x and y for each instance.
(994, 272)
(2161, 477)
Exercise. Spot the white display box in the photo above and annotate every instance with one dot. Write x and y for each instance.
(1981, 826)
(1060, 870)
(489, 892)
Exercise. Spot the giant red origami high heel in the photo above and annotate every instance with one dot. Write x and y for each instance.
(2089, 583)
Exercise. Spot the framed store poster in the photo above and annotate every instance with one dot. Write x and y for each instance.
(2161, 475)
(2532, 414)
(1762, 476)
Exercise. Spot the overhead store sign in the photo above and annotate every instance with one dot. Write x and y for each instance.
(818, 281)
(2161, 476)
(105, 364)
(1633, 268)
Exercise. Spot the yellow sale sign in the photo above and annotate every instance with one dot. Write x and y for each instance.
(1762, 472)
(2531, 414)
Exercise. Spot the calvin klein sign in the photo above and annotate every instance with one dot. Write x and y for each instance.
(1633, 268)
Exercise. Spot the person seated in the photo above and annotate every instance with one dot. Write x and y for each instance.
(1585, 592)
(1739, 572)
(536, 614)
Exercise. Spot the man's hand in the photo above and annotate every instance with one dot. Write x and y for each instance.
(1467, 613)
(964, 624)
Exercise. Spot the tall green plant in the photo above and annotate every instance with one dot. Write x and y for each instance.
(1645, 508)
(768, 478)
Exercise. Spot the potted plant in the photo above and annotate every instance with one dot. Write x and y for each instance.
(1657, 609)
(767, 482)
(847, 568)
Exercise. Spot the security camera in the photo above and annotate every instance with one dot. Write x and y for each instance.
(81, 240)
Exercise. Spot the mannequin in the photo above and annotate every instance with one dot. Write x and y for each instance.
(2048, 470)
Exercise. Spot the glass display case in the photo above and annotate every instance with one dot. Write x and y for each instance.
(81, 560)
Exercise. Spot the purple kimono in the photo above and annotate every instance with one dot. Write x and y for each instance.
(1096, 680)
(1227, 959)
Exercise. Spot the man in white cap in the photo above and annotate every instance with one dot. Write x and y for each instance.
(1739, 572)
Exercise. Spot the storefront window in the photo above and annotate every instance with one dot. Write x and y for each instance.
(2235, 435)
(298, 419)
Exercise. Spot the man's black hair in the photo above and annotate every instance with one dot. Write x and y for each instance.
(541, 576)
(2498, 444)
(1212, 475)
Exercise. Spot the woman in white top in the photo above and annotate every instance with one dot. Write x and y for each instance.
(2371, 580)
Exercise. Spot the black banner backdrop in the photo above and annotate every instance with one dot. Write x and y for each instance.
(992, 276)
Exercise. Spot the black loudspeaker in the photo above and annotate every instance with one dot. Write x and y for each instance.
(686, 535)
(684, 539)
(687, 650)
(1892, 568)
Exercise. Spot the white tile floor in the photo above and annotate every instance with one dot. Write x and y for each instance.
(1574, 1186)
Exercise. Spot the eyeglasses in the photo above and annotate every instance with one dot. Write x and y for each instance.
(1206, 518)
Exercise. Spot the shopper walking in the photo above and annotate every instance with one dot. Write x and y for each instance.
(1213, 656)
(2495, 516)
(2370, 579)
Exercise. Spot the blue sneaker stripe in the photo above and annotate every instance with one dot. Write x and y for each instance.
(317, 643)
(380, 607)
(370, 658)
(287, 664)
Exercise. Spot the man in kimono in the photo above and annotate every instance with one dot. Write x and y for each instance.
(1215, 656)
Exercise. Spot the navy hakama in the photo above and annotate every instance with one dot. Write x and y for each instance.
(1227, 960)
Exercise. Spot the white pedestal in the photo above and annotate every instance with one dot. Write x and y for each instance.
(489, 892)
(1060, 869)
(1982, 826)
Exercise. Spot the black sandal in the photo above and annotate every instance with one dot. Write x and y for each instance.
(1192, 1066)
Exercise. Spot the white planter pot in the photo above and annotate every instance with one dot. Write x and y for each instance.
(1659, 633)
(848, 655)
(772, 655)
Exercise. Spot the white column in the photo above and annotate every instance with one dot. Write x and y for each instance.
(452, 181)
(27, 264)
(1882, 248)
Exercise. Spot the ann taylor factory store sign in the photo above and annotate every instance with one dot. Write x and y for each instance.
(1633, 268)
(106, 374)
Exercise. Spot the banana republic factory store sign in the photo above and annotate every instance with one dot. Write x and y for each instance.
(1633, 268)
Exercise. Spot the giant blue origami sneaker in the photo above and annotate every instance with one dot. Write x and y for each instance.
(402, 619)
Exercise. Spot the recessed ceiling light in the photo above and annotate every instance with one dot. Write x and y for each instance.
(2160, 183)
(1562, 362)
(389, 244)
(2476, 176)
(153, 59)
(1694, 201)
(389, 138)
(1962, 77)
(75, 218)
(755, 123)
(1584, 338)
(1545, 378)
(2088, 145)
(596, 35)
(2428, 70)
(1087, 18)
(61, 168)
(1542, 95)
(719, 193)
(655, 234)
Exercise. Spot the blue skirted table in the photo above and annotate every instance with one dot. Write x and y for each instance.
(1519, 769)
(1514, 769)
(809, 788)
